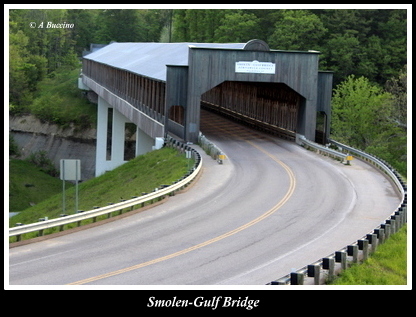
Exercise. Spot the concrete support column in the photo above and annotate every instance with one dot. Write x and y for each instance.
(118, 139)
(101, 146)
(144, 143)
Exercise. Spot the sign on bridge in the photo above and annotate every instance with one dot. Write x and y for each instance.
(255, 67)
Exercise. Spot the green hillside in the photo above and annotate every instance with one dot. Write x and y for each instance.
(142, 174)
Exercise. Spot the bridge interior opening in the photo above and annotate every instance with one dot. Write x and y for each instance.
(273, 107)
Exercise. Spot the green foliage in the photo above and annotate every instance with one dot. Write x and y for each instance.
(298, 30)
(60, 101)
(237, 27)
(36, 51)
(363, 116)
(359, 111)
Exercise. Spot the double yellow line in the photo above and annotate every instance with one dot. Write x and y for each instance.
(285, 198)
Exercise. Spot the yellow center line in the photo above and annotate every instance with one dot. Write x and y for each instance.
(285, 198)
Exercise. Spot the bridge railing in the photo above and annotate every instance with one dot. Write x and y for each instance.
(210, 148)
(320, 149)
(158, 194)
(326, 268)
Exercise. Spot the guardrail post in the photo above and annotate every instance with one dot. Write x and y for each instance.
(19, 236)
(404, 209)
(363, 245)
(61, 227)
(372, 239)
(314, 271)
(143, 195)
(352, 250)
(329, 264)
(399, 219)
(392, 223)
(380, 235)
(341, 257)
(386, 228)
(296, 278)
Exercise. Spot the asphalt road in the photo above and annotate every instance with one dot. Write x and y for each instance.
(271, 207)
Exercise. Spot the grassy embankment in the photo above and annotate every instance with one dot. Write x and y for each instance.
(386, 266)
(142, 174)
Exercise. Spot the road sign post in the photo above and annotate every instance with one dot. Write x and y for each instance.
(70, 171)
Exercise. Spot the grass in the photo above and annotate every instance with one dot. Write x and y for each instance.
(386, 266)
(142, 174)
(29, 185)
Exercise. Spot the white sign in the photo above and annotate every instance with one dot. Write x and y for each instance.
(255, 67)
(70, 170)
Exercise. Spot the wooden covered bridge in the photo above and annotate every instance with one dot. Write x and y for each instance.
(161, 87)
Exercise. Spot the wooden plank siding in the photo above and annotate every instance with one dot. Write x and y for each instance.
(144, 93)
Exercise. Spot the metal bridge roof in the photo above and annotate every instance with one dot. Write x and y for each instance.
(150, 59)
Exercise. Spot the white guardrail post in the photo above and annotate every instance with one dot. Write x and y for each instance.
(338, 261)
(164, 190)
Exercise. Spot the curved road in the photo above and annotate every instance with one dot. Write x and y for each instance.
(272, 206)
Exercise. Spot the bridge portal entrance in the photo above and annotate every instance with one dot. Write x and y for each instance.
(273, 107)
(274, 89)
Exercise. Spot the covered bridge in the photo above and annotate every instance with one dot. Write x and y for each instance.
(161, 86)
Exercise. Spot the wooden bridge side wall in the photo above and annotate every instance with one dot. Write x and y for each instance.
(324, 98)
(144, 93)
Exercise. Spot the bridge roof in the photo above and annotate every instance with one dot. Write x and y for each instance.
(150, 59)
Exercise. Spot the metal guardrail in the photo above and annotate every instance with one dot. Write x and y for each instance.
(210, 148)
(379, 163)
(320, 149)
(107, 210)
(332, 264)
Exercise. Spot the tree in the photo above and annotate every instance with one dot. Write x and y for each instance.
(120, 25)
(397, 86)
(237, 27)
(361, 113)
(196, 25)
(298, 30)
(342, 55)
